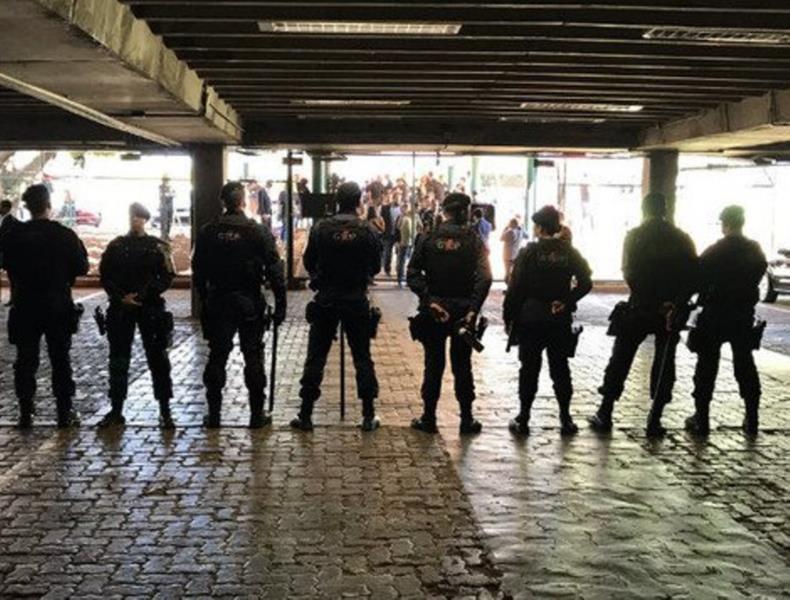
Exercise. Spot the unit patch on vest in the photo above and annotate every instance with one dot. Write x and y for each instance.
(448, 244)
(345, 236)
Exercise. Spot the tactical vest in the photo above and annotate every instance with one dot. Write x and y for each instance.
(450, 261)
(344, 247)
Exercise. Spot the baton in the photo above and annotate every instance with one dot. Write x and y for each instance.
(342, 373)
(272, 379)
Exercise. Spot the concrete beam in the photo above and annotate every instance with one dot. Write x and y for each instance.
(753, 122)
(97, 54)
(430, 135)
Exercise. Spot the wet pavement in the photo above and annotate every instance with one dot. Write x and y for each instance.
(275, 513)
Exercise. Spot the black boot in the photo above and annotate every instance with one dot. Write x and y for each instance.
(26, 413)
(304, 420)
(427, 422)
(115, 417)
(259, 418)
(654, 428)
(213, 419)
(567, 426)
(165, 417)
(369, 420)
(519, 425)
(751, 421)
(601, 421)
(67, 416)
(469, 425)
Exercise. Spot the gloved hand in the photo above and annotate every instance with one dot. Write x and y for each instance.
(279, 315)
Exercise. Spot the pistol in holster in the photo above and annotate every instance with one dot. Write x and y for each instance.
(375, 319)
(618, 319)
(419, 326)
(101, 320)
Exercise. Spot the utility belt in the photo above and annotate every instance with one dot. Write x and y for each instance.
(567, 336)
(316, 312)
(17, 320)
(161, 321)
(628, 318)
(423, 325)
(708, 331)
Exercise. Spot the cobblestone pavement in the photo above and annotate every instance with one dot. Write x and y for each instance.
(396, 513)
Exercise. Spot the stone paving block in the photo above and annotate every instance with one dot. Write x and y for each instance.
(282, 514)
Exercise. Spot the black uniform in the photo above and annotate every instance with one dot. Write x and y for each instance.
(139, 265)
(343, 254)
(449, 267)
(549, 270)
(233, 255)
(660, 268)
(42, 259)
(730, 273)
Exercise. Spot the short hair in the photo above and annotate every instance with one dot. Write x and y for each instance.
(348, 196)
(6, 206)
(478, 212)
(655, 205)
(232, 194)
(36, 198)
(548, 218)
(733, 217)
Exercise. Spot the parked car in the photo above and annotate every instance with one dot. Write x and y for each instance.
(85, 217)
(777, 277)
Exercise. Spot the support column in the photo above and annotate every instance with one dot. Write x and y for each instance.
(209, 172)
(660, 175)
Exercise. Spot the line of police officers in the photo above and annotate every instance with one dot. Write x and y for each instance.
(450, 274)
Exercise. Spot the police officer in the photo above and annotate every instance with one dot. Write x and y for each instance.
(730, 273)
(660, 267)
(136, 269)
(343, 255)
(233, 256)
(43, 258)
(450, 273)
(549, 278)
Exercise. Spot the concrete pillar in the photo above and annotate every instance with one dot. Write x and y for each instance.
(660, 174)
(209, 173)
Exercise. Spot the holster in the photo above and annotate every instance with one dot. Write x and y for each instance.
(618, 319)
(572, 340)
(313, 312)
(419, 326)
(756, 334)
(375, 319)
(77, 311)
(13, 326)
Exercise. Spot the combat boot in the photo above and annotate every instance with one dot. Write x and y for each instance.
(654, 428)
(519, 425)
(567, 426)
(370, 421)
(751, 421)
(426, 424)
(304, 420)
(165, 417)
(469, 425)
(115, 417)
(68, 419)
(698, 424)
(601, 421)
(260, 419)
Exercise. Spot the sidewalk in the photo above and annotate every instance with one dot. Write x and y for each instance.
(281, 514)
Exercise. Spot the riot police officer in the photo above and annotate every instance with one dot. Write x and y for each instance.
(233, 256)
(136, 269)
(730, 273)
(660, 267)
(450, 273)
(43, 258)
(343, 255)
(549, 278)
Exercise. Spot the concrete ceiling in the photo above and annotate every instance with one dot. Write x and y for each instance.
(204, 70)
